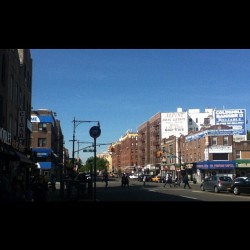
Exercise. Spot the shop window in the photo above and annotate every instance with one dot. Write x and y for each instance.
(220, 157)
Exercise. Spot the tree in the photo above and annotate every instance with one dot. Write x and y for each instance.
(101, 164)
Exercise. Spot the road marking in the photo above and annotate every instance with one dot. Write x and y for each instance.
(189, 197)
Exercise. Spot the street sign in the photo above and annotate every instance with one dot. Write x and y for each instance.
(88, 150)
(95, 131)
(171, 156)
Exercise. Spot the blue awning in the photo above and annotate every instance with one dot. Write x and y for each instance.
(45, 165)
(216, 165)
(42, 152)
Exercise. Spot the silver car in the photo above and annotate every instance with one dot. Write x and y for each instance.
(216, 183)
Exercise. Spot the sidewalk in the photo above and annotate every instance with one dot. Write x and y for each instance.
(55, 196)
(61, 196)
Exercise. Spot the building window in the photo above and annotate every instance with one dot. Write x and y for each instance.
(42, 126)
(237, 154)
(214, 140)
(41, 142)
(206, 121)
(225, 140)
(196, 120)
(190, 121)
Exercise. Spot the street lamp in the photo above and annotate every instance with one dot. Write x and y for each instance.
(95, 132)
(75, 124)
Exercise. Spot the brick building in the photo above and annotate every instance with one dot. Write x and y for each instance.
(15, 110)
(47, 141)
(149, 143)
(125, 153)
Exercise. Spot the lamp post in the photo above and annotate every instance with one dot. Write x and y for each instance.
(95, 132)
(75, 124)
(179, 156)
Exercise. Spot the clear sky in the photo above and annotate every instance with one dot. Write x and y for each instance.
(123, 88)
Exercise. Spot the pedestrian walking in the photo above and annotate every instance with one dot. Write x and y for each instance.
(126, 180)
(106, 179)
(123, 180)
(176, 182)
(185, 180)
(40, 189)
(168, 180)
(144, 180)
(53, 183)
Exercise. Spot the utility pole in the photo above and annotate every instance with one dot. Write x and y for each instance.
(95, 132)
(75, 124)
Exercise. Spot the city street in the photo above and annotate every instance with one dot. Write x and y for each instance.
(152, 192)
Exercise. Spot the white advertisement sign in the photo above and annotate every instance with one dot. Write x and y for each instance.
(35, 118)
(174, 123)
(235, 118)
(220, 149)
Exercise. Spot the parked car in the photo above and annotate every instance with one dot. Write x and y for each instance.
(82, 177)
(240, 185)
(216, 183)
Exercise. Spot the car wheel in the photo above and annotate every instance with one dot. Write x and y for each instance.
(216, 190)
(202, 188)
(236, 191)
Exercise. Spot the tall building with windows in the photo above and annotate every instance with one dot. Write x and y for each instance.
(171, 125)
(47, 141)
(125, 153)
(15, 110)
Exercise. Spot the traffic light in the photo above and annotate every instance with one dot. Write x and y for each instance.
(159, 154)
(111, 149)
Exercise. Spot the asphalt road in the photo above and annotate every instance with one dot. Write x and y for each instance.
(151, 192)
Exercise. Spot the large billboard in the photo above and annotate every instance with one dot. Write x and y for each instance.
(235, 118)
(174, 123)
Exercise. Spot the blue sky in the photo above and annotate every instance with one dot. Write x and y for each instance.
(123, 88)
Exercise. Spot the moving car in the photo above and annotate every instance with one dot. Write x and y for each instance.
(133, 176)
(156, 178)
(148, 177)
(216, 183)
(240, 185)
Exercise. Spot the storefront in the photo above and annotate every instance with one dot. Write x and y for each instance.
(190, 170)
(242, 167)
(208, 168)
(7, 154)
(15, 165)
